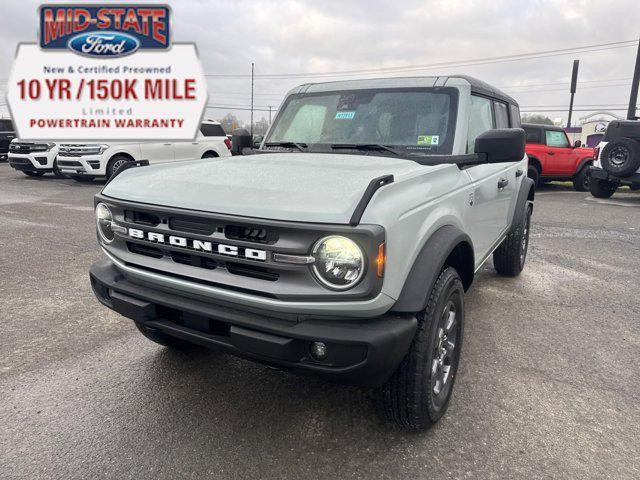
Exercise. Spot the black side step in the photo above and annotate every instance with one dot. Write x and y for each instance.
(372, 188)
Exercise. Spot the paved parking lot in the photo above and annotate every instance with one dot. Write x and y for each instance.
(548, 385)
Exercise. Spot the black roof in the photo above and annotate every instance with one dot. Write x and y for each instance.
(542, 125)
(483, 88)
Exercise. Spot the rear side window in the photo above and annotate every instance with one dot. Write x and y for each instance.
(515, 116)
(502, 115)
(211, 130)
(6, 125)
(556, 139)
(533, 135)
(480, 120)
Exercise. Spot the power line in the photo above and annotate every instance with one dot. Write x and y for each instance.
(479, 61)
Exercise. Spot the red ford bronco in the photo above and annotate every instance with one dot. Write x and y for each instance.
(551, 156)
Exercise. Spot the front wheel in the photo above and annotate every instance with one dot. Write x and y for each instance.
(115, 165)
(56, 170)
(533, 174)
(510, 256)
(417, 394)
(602, 188)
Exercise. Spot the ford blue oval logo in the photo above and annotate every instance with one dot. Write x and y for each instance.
(104, 44)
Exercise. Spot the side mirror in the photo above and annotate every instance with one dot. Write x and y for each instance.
(241, 140)
(577, 144)
(501, 145)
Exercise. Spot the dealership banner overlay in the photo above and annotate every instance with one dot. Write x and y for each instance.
(107, 72)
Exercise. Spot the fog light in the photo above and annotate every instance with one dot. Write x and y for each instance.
(318, 351)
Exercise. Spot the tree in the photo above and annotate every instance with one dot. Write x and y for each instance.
(230, 122)
(260, 127)
(536, 118)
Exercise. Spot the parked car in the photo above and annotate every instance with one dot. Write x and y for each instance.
(618, 159)
(342, 248)
(7, 134)
(34, 159)
(552, 157)
(86, 161)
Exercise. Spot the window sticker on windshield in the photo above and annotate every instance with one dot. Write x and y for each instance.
(428, 139)
(345, 115)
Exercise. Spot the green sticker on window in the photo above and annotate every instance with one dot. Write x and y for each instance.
(345, 115)
(428, 139)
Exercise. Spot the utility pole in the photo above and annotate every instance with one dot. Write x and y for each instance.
(269, 114)
(574, 81)
(633, 98)
(251, 126)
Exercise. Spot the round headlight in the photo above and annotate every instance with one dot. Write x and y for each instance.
(103, 222)
(339, 262)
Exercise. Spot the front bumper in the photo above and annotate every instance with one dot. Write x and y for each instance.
(32, 162)
(362, 352)
(600, 174)
(85, 165)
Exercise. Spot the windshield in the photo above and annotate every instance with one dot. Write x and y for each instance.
(415, 120)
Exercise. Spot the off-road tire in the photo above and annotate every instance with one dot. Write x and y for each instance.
(408, 398)
(32, 174)
(165, 340)
(533, 174)
(509, 258)
(602, 188)
(621, 157)
(115, 164)
(581, 179)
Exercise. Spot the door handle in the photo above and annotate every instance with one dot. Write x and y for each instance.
(194, 143)
(550, 153)
(167, 144)
(503, 182)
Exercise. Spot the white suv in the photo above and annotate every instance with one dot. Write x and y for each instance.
(85, 161)
(33, 158)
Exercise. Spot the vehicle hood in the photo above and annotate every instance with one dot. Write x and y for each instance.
(305, 187)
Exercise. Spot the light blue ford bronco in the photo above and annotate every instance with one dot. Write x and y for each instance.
(342, 247)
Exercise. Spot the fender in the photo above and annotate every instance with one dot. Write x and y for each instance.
(526, 193)
(583, 162)
(428, 265)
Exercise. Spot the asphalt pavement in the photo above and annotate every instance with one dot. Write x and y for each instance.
(548, 386)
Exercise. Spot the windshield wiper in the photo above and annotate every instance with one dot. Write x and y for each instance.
(363, 146)
(299, 146)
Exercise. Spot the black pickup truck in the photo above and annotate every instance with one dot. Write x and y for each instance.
(7, 133)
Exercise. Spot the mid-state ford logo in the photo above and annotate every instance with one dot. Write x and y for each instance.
(104, 44)
(105, 31)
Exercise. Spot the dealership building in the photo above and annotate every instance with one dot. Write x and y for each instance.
(592, 127)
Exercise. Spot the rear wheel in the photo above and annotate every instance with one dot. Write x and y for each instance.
(418, 393)
(510, 256)
(33, 173)
(209, 155)
(581, 180)
(602, 188)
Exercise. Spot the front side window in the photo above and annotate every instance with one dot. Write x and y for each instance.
(480, 120)
(6, 125)
(413, 120)
(556, 138)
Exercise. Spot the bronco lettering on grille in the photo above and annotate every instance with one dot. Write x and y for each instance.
(199, 245)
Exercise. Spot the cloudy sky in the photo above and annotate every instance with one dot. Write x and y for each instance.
(319, 40)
